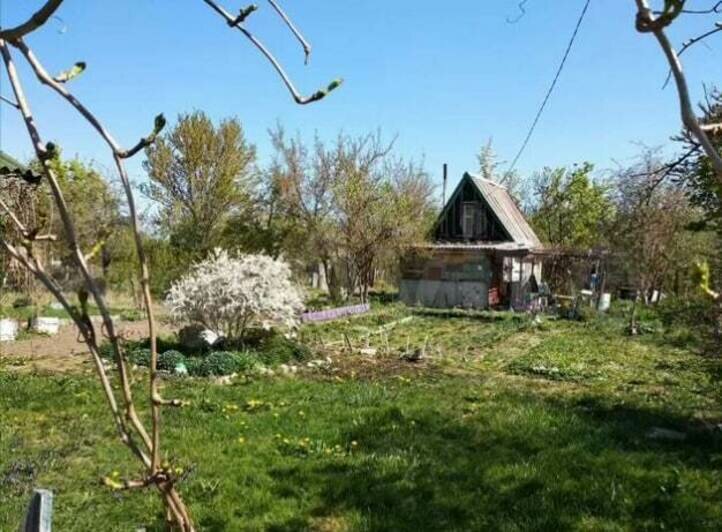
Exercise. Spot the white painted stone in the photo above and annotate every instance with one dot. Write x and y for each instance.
(8, 330)
(49, 326)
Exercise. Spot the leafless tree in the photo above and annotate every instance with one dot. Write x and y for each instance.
(700, 135)
(145, 444)
(656, 22)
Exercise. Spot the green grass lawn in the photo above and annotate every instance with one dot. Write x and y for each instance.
(508, 426)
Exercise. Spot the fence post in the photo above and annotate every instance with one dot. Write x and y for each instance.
(40, 512)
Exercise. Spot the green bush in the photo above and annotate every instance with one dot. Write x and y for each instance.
(22, 301)
(132, 315)
(695, 312)
(193, 365)
(220, 363)
(168, 360)
(139, 357)
(277, 349)
(106, 351)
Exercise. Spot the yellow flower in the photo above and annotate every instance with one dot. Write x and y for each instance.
(301, 413)
(178, 470)
(115, 474)
(241, 440)
(354, 443)
(286, 441)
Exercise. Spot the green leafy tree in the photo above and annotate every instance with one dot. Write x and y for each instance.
(571, 210)
(201, 175)
(92, 202)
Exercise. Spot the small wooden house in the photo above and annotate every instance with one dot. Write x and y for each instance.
(484, 253)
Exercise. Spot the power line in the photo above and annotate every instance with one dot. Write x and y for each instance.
(549, 92)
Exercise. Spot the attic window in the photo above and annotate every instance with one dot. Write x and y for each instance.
(472, 219)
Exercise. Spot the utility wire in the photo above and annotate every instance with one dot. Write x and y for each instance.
(549, 92)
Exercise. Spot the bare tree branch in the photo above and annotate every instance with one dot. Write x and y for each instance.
(9, 101)
(647, 23)
(304, 43)
(691, 42)
(298, 98)
(39, 18)
(717, 8)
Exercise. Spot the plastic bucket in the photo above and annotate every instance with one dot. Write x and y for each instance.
(605, 302)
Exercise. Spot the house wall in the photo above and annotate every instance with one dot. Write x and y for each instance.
(446, 280)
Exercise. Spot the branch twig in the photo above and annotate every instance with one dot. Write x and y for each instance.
(9, 102)
(299, 36)
(39, 18)
(647, 23)
(298, 98)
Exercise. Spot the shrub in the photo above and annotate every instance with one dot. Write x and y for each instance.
(168, 360)
(139, 356)
(221, 363)
(106, 351)
(228, 294)
(22, 301)
(193, 365)
(277, 349)
(695, 312)
(132, 315)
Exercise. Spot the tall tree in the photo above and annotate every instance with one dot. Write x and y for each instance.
(201, 175)
(144, 443)
(355, 204)
(651, 231)
(569, 211)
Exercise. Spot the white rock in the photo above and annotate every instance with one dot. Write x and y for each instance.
(8, 330)
(49, 326)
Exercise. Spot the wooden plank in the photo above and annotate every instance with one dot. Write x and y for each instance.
(40, 512)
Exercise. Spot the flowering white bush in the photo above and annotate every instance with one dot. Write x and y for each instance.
(228, 294)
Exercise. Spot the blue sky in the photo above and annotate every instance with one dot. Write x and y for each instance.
(444, 76)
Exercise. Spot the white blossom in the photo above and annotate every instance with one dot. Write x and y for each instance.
(228, 294)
